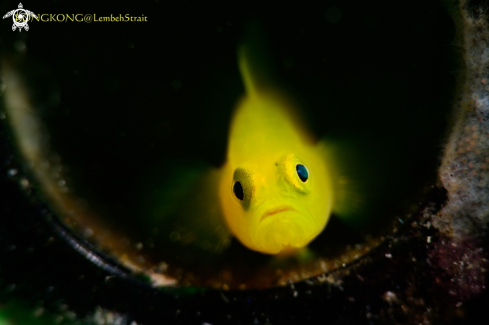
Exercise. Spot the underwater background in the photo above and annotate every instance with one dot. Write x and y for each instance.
(120, 100)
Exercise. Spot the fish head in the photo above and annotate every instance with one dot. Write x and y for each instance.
(277, 202)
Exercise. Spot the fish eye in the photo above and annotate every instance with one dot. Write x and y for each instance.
(243, 186)
(238, 190)
(302, 172)
(295, 173)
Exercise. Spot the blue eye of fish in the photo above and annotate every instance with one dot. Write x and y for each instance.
(238, 190)
(302, 172)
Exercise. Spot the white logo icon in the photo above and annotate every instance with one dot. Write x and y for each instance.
(20, 17)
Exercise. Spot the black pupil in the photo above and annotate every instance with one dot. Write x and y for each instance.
(302, 172)
(238, 190)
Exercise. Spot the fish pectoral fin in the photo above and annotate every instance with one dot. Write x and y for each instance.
(184, 205)
(202, 217)
(349, 178)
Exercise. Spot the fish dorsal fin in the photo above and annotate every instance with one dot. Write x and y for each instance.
(254, 60)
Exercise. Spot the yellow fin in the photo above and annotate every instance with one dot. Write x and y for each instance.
(201, 215)
(254, 61)
(349, 178)
(187, 210)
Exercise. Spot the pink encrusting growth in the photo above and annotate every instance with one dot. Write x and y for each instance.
(460, 252)
(464, 170)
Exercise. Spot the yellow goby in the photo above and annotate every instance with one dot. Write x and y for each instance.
(275, 191)
(277, 188)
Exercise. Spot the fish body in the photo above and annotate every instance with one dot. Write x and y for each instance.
(278, 210)
(278, 186)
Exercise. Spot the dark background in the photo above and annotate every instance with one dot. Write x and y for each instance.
(120, 98)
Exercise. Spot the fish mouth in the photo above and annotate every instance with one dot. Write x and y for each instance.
(271, 212)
